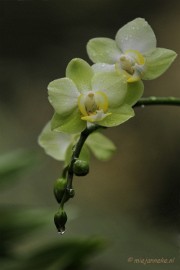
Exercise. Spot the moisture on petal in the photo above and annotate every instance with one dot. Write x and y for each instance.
(103, 50)
(136, 35)
(102, 67)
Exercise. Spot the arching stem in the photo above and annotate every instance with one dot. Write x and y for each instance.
(146, 101)
(76, 152)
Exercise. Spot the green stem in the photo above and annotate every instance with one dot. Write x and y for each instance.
(76, 152)
(158, 101)
(64, 172)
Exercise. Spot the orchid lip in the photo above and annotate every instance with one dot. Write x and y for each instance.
(93, 106)
(132, 63)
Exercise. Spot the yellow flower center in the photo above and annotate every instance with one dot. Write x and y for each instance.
(93, 106)
(132, 63)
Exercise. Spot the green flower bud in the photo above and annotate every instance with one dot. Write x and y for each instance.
(81, 167)
(60, 188)
(60, 219)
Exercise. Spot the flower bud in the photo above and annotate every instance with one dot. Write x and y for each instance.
(81, 167)
(60, 188)
(60, 219)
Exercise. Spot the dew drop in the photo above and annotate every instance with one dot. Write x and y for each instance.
(61, 230)
(71, 192)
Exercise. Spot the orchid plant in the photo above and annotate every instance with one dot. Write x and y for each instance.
(91, 98)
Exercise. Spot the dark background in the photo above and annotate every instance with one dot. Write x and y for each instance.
(132, 200)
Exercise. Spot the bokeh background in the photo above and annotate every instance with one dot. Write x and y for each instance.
(132, 201)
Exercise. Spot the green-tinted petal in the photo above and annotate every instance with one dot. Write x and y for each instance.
(101, 146)
(114, 85)
(158, 62)
(118, 116)
(84, 155)
(69, 124)
(63, 95)
(81, 73)
(136, 35)
(103, 50)
(101, 67)
(134, 92)
(54, 143)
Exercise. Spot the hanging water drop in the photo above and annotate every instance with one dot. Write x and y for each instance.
(60, 219)
(61, 230)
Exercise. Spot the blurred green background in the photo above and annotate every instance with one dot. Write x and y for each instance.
(132, 201)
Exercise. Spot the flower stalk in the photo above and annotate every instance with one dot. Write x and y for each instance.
(77, 150)
(146, 101)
